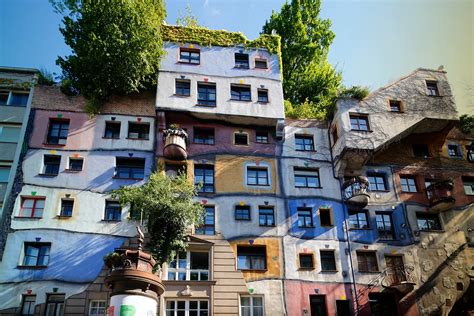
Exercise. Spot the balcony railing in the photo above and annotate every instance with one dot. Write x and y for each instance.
(356, 191)
(175, 144)
(440, 195)
(400, 278)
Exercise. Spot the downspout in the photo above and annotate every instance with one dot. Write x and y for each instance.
(346, 228)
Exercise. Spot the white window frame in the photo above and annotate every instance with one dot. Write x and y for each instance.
(252, 303)
(188, 269)
(97, 308)
(186, 308)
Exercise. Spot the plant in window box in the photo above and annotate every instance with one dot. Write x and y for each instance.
(175, 139)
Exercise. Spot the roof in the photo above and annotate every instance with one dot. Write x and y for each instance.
(18, 70)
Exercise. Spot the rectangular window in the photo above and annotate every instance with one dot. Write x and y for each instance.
(421, 151)
(138, 130)
(36, 254)
(306, 261)
(432, 87)
(454, 151)
(208, 227)
(129, 168)
(55, 305)
(241, 60)
(408, 184)
(468, 183)
(97, 308)
(251, 258)
(359, 122)
(257, 176)
(187, 308)
(367, 261)
(328, 260)
(51, 164)
(266, 216)
(4, 97)
(112, 130)
(358, 219)
(262, 95)
(191, 266)
(325, 217)
(189, 56)
(305, 217)
(304, 143)
(183, 87)
(241, 139)
(67, 206)
(384, 226)
(203, 136)
(32, 207)
(57, 132)
(28, 305)
(306, 178)
(75, 164)
(395, 106)
(204, 177)
(470, 153)
(377, 182)
(261, 137)
(113, 211)
(251, 305)
(261, 63)
(172, 170)
(242, 212)
(18, 99)
(9, 134)
(427, 222)
(206, 94)
(240, 93)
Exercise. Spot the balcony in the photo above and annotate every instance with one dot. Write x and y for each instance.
(175, 144)
(400, 278)
(440, 195)
(355, 191)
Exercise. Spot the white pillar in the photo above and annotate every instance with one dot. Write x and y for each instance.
(132, 305)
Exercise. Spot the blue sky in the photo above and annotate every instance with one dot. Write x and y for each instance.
(376, 41)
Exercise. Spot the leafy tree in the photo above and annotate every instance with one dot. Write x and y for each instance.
(116, 45)
(188, 19)
(466, 123)
(356, 92)
(307, 75)
(45, 77)
(168, 208)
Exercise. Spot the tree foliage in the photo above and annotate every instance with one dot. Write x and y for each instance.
(308, 78)
(356, 92)
(466, 123)
(45, 77)
(116, 45)
(188, 19)
(168, 208)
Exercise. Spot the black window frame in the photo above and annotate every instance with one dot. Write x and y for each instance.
(141, 129)
(432, 88)
(326, 255)
(242, 213)
(134, 166)
(367, 267)
(425, 216)
(307, 142)
(258, 171)
(305, 213)
(457, 150)
(186, 56)
(205, 187)
(112, 130)
(51, 164)
(60, 139)
(206, 89)
(329, 217)
(241, 61)
(407, 184)
(262, 95)
(384, 232)
(31, 305)
(238, 137)
(354, 217)
(377, 186)
(238, 92)
(182, 87)
(208, 227)
(306, 265)
(263, 136)
(395, 106)
(266, 213)
(71, 164)
(67, 207)
(112, 211)
(311, 173)
(204, 136)
(357, 126)
(259, 62)
(252, 252)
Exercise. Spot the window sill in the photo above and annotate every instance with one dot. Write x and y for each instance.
(267, 225)
(26, 217)
(259, 185)
(203, 144)
(31, 267)
(72, 171)
(189, 282)
(262, 143)
(182, 95)
(110, 137)
(305, 269)
(361, 130)
(54, 145)
(253, 270)
(379, 191)
(329, 271)
(111, 220)
(241, 145)
(243, 219)
(134, 179)
(306, 227)
(303, 187)
(63, 216)
(327, 226)
(206, 105)
(47, 175)
(261, 68)
(263, 102)
(186, 63)
(302, 150)
(237, 100)
(242, 67)
(131, 138)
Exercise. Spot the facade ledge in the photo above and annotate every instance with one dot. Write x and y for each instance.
(47, 175)
(189, 282)
(26, 218)
(31, 267)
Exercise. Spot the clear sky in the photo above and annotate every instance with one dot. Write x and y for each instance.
(376, 41)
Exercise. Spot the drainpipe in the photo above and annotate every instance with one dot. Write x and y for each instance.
(346, 228)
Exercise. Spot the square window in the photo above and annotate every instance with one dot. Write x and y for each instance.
(51, 164)
(468, 183)
(305, 217)
(189, 56)
(4, 97)
(266, 216)
(241, 61)
(359, 122)
(384, 225)
(187, 308)
(377, 182)
(241, 139)
(454, 151)
(367, 261)
(257, 176)
(209, 221)
(28, 305)
(306, 261)
(206, 94)
(18, 99)
(328, 260)
(251, 305)
(138, 130)
(261, 137)
(67, 206)
(75, 164)
(112, 130)
(325, 218)
(242, 212)
(306, 178)
(203, 136)
(421, 151)
(113, 211)
(261, 63)
(395, 106)
(262, 95)
(204, 177)
(358, 219)
(183, 87)
(428, 222)
(304, 143)
(32, 207)
(97, 308)
(240, 93)
(129, 168)
(36, 254)
(57, 132)
(408, 184)
(9, 134)
(432, 87)
(251, 258)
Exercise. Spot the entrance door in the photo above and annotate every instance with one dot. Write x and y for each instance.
(382, 304)
(318, 305)
(395, 269)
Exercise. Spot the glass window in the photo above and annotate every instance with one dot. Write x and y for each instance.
(18, 99)
(251, 306)
(4, 97)
(261, 137)
(306, 178)
(4, 174)
(97, 308)
(129, 168)
(328, 260)
(57, 132)
(408, 184)
(191, 265)
(395, 106)
(112, 130)
(261, 63)
(204, 177)
(55, 305)
(113, 211)
(304, 143)
(470, 153)
(241, 60)
(189, 56)
(358, 219)
(66, 207)
(266, 216)
(207, 94)
(36, 254)
(257, 176)
(203, 136)
(28, 305)
(241, 139)
(454, 151)
(305, 217)
(51, 164)
(306, 261)
(421, 151)
(325, 217)
(262, 95)
(359, 123)
(187, 308)
(240, 93)
(32, 207)
(384, 226)
(251, 258)
(377, 182)
(138, 130)
(208, 227)
(9, 134)
(75, 164)
(427, 222)
(367, 261)
(183, 87)
(432, 87)
(242, 212)
(468, 183)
